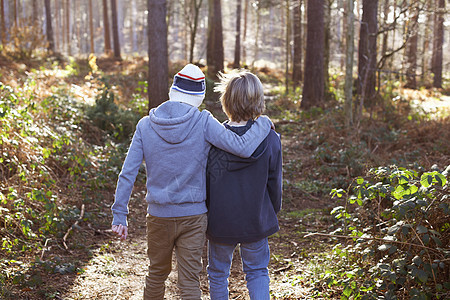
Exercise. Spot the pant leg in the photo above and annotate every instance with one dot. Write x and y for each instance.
(220, 257)
(160, 240)
(188, 249)
(255, 261)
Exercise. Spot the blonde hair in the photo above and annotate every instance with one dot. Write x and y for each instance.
(242, 95)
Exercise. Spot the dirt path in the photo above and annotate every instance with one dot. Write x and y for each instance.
(117, 269)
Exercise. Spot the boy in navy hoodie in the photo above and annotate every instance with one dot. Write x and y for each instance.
(174, 141)
(243, 195)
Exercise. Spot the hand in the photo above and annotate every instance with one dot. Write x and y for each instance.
(120, 230)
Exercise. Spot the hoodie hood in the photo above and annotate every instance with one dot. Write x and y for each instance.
(237, 163)
(173, 121)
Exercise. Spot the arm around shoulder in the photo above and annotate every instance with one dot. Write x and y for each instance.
(243, 146)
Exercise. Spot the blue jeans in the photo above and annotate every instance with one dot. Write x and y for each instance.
(255, 259)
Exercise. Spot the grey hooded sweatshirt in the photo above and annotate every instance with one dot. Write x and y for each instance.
(174, 141)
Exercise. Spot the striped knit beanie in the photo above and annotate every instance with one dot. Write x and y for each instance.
(188, 86)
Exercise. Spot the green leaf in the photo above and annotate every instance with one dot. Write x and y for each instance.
(426, 180)
(422, 276)
(426, 239)
(359, 180)
(347, 291)
(403, 179)
(437, 240)
(384, 247)
(412, 189)
(399, 192)
(421, 229)
(393, 229)
(440, 179)
(417, 260)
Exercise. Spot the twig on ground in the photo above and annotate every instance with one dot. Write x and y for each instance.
(43, 249)
(117, 293)
(277, 271)
(71, 227)
(309, 195)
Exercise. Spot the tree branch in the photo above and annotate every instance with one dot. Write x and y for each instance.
(71, 227)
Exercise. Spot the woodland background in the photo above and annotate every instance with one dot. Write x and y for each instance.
(359, 91)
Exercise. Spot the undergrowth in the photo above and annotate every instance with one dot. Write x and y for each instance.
(48, 170)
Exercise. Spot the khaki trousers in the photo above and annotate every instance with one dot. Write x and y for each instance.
(187, 236)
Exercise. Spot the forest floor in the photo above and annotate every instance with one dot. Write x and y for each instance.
(108, 268)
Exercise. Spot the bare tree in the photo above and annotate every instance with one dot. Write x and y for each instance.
(35, 11)
(327, 37)
(297, 57)
(411, 53)
(67, 27)
(48, 22)
(244, 35)
(16, 14)
(214, 55)
(287, 43)
(106, 28)
(237, 44)
(313, 92)
(438, 42)
(115, 27)
(57, 23)
(91, 28)
(3, 24)
(158, 68)
(257, 29)
(350, 49)
(367, 55)
(191, 13)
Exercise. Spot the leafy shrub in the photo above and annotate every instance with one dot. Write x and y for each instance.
(108, 116)
(42, 158)
(398, 220)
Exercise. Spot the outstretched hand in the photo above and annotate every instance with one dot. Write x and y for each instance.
(120, 230)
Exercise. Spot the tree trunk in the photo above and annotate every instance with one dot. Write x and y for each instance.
(287, 44)
(48, 22)
(106, 28)
(367, 56)
(57, 23)
(244, 35)
(297, 61)
(3, 24)
(327, 37)
(196, 7)
(35, 12)
(68, 35)
(237, 44)
(384, 46)
(134, 47)
(350, 49)
(91, 28)
(438, 42)
(313, 93)
(214, 55)
(411, 53)
(158, 69)
(257, 25)
(16, 15)
(426, 43)
(115, 27)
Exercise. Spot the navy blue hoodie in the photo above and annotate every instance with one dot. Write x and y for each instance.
(244, 194)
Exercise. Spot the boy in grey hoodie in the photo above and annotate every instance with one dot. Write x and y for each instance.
(174, 141)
